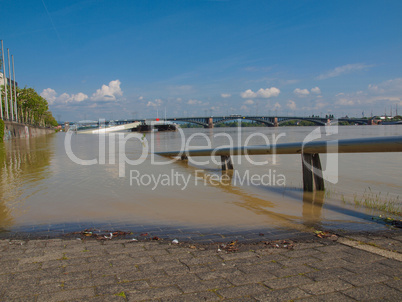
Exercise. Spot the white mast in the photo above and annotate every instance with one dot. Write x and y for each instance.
(11, 90)
(5, 83)
(1, 102)
(15, 92)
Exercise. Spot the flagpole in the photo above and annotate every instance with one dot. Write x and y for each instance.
(1, 102)
(5, 84)
(15, 92)
(11, 89)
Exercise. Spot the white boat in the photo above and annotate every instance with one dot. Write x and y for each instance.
(111, 128)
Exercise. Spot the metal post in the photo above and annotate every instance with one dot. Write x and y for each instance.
(318, 177)
(5, 83)
(226, 162)
(307, 172)
(11, 90)
(15, 92)
(1, 102)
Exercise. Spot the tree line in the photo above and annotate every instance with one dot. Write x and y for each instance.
(31, 107)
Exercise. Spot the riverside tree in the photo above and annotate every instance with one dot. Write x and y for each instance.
(31, 107)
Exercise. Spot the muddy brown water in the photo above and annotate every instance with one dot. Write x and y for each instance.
(41, 185)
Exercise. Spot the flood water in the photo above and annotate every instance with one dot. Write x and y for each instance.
(41, 185)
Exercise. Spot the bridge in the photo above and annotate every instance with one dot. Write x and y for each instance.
(270, 121)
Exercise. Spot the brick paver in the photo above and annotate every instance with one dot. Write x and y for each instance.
(127, 270)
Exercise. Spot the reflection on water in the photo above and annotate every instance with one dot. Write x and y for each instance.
(41, 185)
(312, 208)
(23, 165)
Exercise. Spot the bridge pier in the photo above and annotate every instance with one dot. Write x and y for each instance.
(312, 173)
(210, 122)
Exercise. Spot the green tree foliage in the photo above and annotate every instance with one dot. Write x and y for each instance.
(32, 108)
(1, 130)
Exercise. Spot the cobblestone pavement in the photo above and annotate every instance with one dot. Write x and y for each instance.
(356, 267)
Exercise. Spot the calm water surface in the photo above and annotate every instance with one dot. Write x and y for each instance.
(40, 184)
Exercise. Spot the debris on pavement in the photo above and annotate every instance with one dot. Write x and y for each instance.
(325, 234)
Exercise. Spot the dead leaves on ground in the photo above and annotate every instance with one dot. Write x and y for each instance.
(327, 235)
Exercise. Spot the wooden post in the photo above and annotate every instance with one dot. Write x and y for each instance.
(307, 172)
(318, 179)
(226, 162)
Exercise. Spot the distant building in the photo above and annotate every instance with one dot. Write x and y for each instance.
(2, 80)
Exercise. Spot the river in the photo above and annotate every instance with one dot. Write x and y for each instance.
(42, 186)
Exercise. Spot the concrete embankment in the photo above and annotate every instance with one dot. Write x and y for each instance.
(17, 130)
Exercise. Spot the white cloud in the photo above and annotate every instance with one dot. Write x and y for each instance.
(261, 93)
(248, 94)
(316, 90)
(277, 106)
(390, 86)
(291, 105)
(225, 95)
(268, 92)
(349, 68)
(249, 102)
(387, 91)
(109, 92)
(79, 97)
(301, 92)
(50, 95)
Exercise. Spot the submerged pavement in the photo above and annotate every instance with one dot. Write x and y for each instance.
(350, 267)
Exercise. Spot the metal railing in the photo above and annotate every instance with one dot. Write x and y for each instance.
(311, 164)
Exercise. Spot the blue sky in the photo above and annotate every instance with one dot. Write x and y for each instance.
(122, 59)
